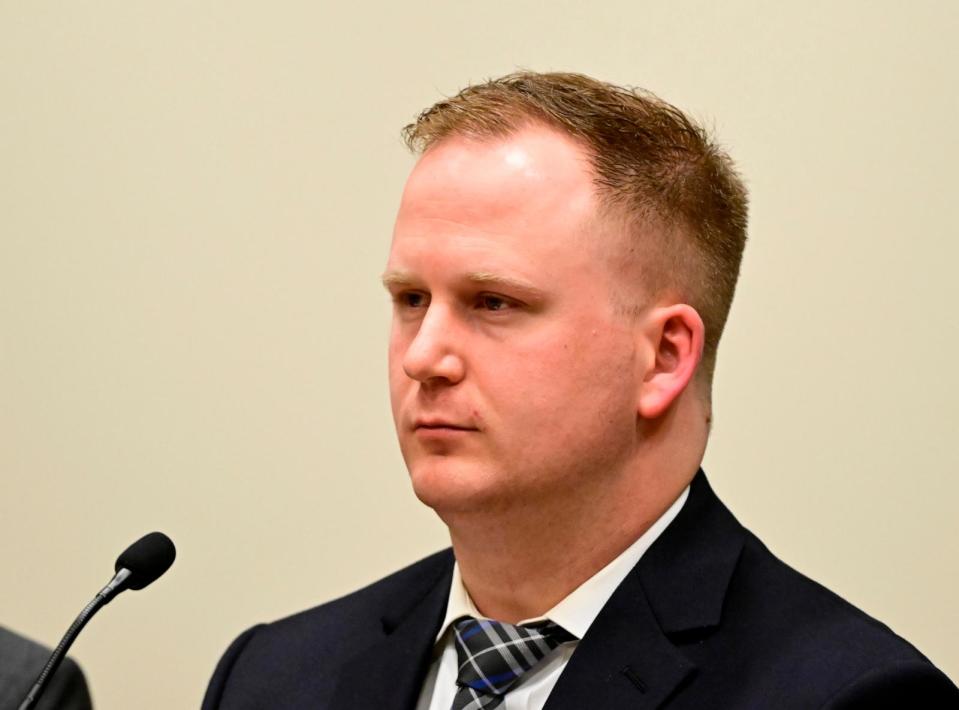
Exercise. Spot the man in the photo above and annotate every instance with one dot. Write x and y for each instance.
(562, 265)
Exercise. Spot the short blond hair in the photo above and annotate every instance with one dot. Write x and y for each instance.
(655, 167)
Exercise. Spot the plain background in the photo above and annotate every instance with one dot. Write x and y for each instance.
(196, 201)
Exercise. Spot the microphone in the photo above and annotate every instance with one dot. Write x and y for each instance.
(138, 566)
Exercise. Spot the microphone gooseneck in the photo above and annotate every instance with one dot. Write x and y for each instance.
(139, 565)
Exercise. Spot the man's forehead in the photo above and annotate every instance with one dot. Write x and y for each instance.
(523, 204)
(534, 169)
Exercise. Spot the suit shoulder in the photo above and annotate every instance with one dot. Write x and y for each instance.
(807, 626)
(899, 684)
(324, 635)
(390, 595)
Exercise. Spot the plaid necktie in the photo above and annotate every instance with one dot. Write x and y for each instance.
(493, 655)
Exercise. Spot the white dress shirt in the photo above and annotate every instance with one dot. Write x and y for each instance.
(575, 613)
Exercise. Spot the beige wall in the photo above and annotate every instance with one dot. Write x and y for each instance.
(195, 205)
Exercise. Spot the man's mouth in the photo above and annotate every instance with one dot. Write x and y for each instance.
(426, 424)
(440, 425)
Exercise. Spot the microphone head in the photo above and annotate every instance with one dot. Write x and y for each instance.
(147, 559)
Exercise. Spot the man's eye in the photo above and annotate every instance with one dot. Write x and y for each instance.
(491, 302)
(412, 299)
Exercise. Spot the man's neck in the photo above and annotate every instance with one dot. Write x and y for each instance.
(517, 564)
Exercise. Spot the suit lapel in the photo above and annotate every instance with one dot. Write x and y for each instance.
(624, 661)
(630, 657)
(686, 572)
(388, 675)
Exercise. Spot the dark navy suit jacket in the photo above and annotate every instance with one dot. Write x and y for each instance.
(709, 618)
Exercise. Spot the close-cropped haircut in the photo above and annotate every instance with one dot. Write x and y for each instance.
(677, 193)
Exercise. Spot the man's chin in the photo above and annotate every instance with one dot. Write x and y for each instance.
(455, 487)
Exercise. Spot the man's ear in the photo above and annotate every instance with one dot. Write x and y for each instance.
(674, 337)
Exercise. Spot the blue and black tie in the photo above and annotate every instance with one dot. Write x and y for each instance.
(494, 655)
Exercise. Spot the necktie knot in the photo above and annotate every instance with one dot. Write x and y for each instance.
(493, 655)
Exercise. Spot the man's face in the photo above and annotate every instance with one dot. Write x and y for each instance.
(513, 376)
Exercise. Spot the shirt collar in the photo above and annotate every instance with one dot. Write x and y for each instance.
(580, 608)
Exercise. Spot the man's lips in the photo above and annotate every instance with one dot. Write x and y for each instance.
(440, 425)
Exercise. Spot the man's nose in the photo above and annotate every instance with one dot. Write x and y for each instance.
(433, 355)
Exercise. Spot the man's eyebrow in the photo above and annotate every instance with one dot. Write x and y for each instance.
(493, 279)
(399, 278)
